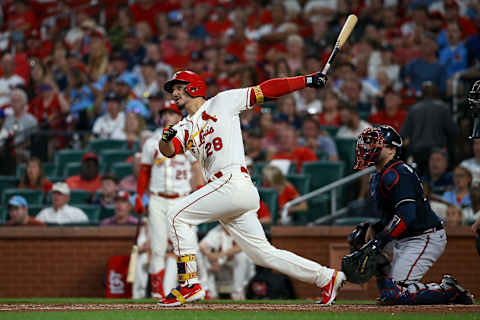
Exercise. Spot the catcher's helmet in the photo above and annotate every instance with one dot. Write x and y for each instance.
(196, 86)
(371, 142)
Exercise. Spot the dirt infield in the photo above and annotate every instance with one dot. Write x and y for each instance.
(24, 307)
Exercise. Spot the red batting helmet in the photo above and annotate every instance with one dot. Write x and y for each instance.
(196, 86)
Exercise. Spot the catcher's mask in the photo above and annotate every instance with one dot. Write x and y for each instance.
(195, 85)
(473, 100)
(371, 142)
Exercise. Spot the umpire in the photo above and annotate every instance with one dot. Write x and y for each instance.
(408, 228)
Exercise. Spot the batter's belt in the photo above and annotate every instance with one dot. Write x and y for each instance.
(220, 174)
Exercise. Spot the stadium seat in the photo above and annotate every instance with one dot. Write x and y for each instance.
(332, 130)
(64, 157)
(99, 145)
(346, 152)
(3, 215)
(121, 169)
(34, 209)
(32, 196)
(92, 211)
(321, 155)
(109, 157)
(203, 228)
(49, 169)
(106, 213)
(353, 221)
(258, 167)
(270, 197)
(301, 182)
(8, 182)
(321, 173)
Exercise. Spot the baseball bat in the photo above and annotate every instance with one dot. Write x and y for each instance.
(341, 39)
(132, 263)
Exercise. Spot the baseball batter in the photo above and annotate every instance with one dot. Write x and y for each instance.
(167, 180)
(211, 132)
(408, 225)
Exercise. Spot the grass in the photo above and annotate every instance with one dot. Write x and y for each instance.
(230, 315)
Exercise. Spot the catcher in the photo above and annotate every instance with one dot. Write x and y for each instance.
(409, 230)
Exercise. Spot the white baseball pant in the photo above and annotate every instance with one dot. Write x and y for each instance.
(233, 200)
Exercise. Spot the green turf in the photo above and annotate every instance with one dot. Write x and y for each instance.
(227, 315)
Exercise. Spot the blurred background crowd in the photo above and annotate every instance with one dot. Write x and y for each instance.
(81, 87)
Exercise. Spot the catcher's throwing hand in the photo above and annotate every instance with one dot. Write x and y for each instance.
(168, 134)
(139, 207)
(316, 80)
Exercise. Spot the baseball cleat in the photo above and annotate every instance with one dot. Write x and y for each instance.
(464, 296)
(329, 292)
(183, 294)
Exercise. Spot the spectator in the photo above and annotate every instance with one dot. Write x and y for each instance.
(287, 107)
(123, 209)
(8, 80)
(454, 56)
(129, 183)
(439, 179)
(106, 199)
(89, 178)
(392, 115)
(222, 252)
(454, 216)
(98, 56)
(34, 177)
(351, 91)
(21, 124)
(288, 149)
(428, 125)
(318, 42)
(155, 103)
(307, 101)
(330, 115)
(111, 125)
(352, 124)
(254, 148)
(123, 89)
(80, 92)
(148, 85)
(425, 69)
(472, 213)
(318, 140)
(473, 164)
(182, 50)
(18, 211)
(452, 14)
(273, 177)
(61, 212)
(460, 195)
(134, 125)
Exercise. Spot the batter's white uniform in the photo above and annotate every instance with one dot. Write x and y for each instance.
(214, 137)
(240, 268)
(169, 183)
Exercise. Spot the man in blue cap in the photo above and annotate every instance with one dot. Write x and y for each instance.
(18, 210)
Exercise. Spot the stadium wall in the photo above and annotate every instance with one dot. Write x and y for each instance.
(72, 261)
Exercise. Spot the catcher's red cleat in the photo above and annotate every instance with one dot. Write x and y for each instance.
(183, 294)
(329, 292)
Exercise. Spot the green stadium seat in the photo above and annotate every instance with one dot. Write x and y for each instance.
(99, 145)
(270, 197)
(64, 157)
(353, 221)
(321, 155)
(32, 196)
(321, 174)
(8, 182)
(203, 228)
(92, 211)
(109, 157)
(3, 215)
(49, 169)
(34, 209)
(346, 152)
(121, 169)
(258, 167)
(301, 182)
(331, 130)
(106, 213)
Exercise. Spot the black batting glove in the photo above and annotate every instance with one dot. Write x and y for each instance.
(168, 134)
(316, 80)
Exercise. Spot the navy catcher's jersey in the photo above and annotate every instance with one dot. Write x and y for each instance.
(398, 194)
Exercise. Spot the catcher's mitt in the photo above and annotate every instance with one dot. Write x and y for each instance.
(361, 265)
(356, 239)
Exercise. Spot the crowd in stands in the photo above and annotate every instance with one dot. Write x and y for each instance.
(76, 71)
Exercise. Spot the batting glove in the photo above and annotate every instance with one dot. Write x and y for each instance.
(139, 207)
(316, 80)
(168, 134)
